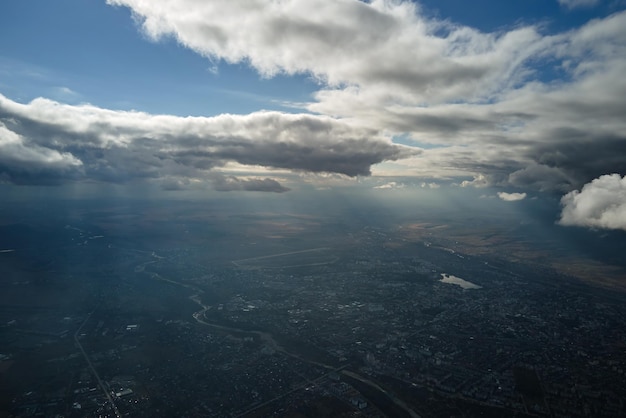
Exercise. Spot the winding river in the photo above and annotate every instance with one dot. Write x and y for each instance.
(266, 337)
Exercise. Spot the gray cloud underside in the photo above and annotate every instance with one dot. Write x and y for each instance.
(482, 96)
(231, 183)
(32, 163)
(45, 141)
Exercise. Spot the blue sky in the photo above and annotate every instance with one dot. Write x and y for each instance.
(96, 51)
(488, 15)
(526, 97)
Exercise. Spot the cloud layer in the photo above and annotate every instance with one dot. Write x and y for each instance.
(515, 107)
(519, 107)
(231, 183)
(384, 46)
(600, 204)
(65, 141)
(25, 163)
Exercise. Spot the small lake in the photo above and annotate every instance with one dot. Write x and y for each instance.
(448, 278)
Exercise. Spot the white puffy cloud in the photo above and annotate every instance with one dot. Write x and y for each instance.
(386, 44)
(390, 185)
(479, 181)
(599, 204)
(511, 197)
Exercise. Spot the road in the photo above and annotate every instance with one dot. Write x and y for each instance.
(93, 369)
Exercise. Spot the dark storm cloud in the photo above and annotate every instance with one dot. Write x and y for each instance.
(117, 146)
(541, 177)
(582, 158)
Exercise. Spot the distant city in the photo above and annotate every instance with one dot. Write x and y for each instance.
(139, 310)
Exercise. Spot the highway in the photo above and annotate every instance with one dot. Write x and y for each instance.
(93, 369)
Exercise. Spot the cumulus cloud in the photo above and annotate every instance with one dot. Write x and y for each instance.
(480, 96)
(511, 197)
(515, 107)
(574, 4)
(479, 181)
(379, 43)
(390, 185)
(24, 163)
(118, 146)
(599, 204)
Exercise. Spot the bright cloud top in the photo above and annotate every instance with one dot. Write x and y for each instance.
(382, 44)
(511, 197)
(33, 162)
(390, 185)
(89, 142)
(600, 204)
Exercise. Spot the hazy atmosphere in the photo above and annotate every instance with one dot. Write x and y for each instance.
(342, 198)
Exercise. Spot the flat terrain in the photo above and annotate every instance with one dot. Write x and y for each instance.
(158, 311)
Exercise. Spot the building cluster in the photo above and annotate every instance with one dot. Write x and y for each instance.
(363, 335)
